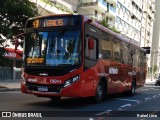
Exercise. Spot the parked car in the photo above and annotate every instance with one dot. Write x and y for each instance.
(157, 83)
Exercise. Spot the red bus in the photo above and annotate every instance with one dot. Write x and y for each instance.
(73, 56)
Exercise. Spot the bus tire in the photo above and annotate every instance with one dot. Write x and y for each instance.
(133, 88)
(55, 99)
(99, 92)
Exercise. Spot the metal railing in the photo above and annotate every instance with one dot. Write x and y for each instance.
(104, 3)
(6, 73)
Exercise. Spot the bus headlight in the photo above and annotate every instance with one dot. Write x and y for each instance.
(71, 81)
(23, 79)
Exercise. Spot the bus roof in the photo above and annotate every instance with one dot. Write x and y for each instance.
(56, 15)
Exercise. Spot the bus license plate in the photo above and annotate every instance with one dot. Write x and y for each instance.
(43, 89)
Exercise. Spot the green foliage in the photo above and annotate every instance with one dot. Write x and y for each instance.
(155, 68)
(104, 22)
(13, 16)
(114, 29)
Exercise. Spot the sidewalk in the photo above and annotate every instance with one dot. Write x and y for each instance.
(9, 85)
(14, 85)
(150, 82)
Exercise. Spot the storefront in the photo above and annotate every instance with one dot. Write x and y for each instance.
(15, 58)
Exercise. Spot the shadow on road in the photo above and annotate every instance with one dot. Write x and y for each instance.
(73, 103)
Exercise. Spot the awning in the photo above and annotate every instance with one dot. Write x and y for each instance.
(12, 53)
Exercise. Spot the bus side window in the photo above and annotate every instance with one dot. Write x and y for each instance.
(138, 58)
(116, 50)
(130, 60)
(135, 58)
(124, 53)
(106, 46)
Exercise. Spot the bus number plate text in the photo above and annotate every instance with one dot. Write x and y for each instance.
(43, 89)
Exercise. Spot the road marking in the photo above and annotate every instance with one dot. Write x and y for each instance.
(148, 98)
(105, 112)
(149, 89)
(151, 86)
(137, 101)
(123, 106)
(126, 105)
(154, 89)
(155, 96)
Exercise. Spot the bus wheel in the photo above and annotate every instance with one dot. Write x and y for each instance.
(56, 99)
(133, 88)
(99, 93)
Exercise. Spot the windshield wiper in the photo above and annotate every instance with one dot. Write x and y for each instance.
(63, 64)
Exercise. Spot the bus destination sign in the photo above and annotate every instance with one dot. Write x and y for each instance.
(54, 21)
(58, 22)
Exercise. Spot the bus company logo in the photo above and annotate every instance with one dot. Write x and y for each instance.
(43, 74)
(55, 81)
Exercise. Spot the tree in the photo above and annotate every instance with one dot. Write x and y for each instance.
(13, 15)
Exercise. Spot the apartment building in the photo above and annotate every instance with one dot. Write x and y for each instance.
(47, 7)
(147, 27)
(124, 15)
(98, 9)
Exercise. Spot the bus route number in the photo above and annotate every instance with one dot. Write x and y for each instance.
(36, 23)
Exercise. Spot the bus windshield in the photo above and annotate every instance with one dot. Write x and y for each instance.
(53, 48)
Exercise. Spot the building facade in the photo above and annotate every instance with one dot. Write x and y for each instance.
(124, 15)
(48, 7)
(147, 27)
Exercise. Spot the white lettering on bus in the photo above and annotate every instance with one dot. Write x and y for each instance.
(10, 54)
(103, 74)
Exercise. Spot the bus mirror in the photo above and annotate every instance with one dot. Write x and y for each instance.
(147, 49)
(90, 43)
(16, 40)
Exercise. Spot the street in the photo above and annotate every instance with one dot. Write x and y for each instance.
(144, 102)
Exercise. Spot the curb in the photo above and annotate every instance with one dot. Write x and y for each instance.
(9, 89)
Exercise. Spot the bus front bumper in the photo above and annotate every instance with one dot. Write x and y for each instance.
(73, 90)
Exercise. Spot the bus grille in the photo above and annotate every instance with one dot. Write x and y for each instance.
(51, 88)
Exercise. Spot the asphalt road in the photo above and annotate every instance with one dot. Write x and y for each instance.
(144, 105)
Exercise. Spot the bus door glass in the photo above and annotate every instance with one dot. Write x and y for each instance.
(91, 51)
(115, 69)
